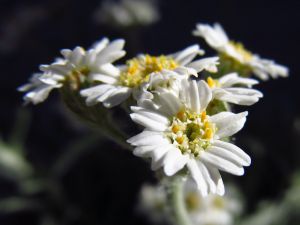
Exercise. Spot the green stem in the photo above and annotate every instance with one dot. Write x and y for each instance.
(176, 201)
(96, 116)
(114, 134)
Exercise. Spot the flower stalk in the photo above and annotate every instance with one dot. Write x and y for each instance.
(96, 116)
(176, 201)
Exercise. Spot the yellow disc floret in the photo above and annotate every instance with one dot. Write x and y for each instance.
(191, 132)
(239, 62)
(192, 201)
(247, 56)
(76, 77)
(212, 83)
(138, 69)
(219, 202)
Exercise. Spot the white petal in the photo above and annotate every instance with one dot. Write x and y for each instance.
(103, 78)
(222, 163)
(99, 89)
(143, 151)
(169, 104)
(232, 79)
(100, 45)
(111, 52)
(195, 96)
(234, 149)
(108, 57)
(107, 94)
(261, 74)
(117, 97)
(205, 94)
(228, 123)
(214, 36)
(217, 179)
(197, 177)
(264, 67)
(244, 91)
(148, 138)
(66, 52)
(60, 69)
(227, 155)
(187, 55)
(184, 93)
(151, 114)
(76, 55)
(149, 120)
(174, 161)
(240, 96)
(209, 64)
(115, 45)
(207, 177)
(38, 94)
(110, 70)
(158, 156)
(96, 93)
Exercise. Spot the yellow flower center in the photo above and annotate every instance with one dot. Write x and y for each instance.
(192, 201)
(241, 50)
(191, 132)
(212, 83)
(76, 77)
(219, 202)
(138, 69)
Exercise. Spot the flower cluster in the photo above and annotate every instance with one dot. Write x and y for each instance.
(213, 209)
(183, 101)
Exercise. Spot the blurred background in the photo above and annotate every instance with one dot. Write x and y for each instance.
(54, 170)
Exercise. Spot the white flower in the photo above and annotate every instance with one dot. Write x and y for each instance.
(37, 91)
(125, 13)
(152, 203)
(212, 209)
(216, 37)
(75, 68)
(170, 81)
(131, 77)
(228, 89)
(180, 133)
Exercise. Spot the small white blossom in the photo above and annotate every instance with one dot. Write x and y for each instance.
(212, 209)
(152, 203)
(125, 13)
(170, 81)
(132, 77)
(179, 133)
(217, 38)
(76, 67)
(234, 89)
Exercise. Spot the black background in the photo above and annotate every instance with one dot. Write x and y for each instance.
(102, 186)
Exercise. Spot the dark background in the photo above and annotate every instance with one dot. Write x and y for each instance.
(101, 185)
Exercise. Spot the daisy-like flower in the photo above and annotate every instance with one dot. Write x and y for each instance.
(129, 78)
(212, 209)
(234, 89)
(76, 68)
(180, 134)
(235, 56)
(170, 81)
(153, 203)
